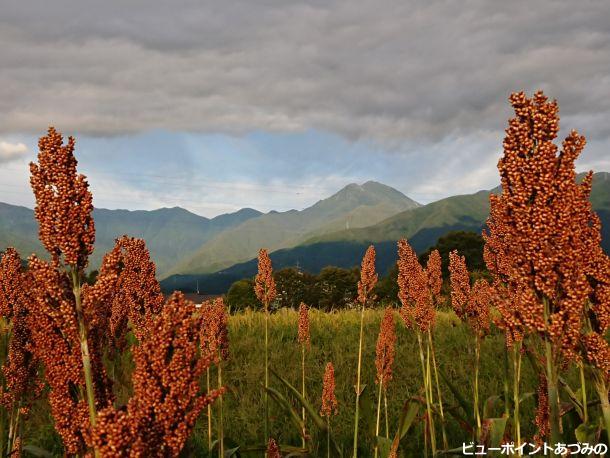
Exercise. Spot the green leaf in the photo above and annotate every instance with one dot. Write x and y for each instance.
(464, 404)
(37, 451)
(311, 411)
(490, 403)
(232, 452)
(587, 433)
(283, 402)
(367, 412)
(384, 445)
(496, 431)
(408, 414)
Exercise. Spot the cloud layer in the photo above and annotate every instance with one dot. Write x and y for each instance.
(388, 71)
(10, 151)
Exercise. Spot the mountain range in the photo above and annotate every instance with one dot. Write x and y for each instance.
(190, 249)
(422, 226)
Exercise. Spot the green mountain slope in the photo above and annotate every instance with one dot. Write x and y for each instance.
(170, 233)
(422, 226)
(353, 206)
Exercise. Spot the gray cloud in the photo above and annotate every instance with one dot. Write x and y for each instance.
(390, 71)
(10, 151)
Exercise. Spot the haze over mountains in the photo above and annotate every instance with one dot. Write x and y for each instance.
(335, 231)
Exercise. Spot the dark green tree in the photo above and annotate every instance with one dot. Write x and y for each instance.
(336, 288)
(241, 295)
(468, 244)
(293, 287)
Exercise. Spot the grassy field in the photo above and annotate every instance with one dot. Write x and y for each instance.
(334, 337)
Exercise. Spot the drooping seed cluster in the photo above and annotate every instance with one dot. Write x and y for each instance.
(460, 284)
(138, 294)
(214, 331)
(368, 277)
(330, 405)
(303, 335)
(597, 352)
(167, 400)
(418, 288)
(543, 237)
(264, 284)
(21, 366)
(273, 451)
(63, 202)
(386, 348)
(471, 304)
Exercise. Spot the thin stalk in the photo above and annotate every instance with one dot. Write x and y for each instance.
(602, 391)
(378, 418)
(583, 389)
(438, 391)
(431, 396)
(14, 432)
(356, 416)
(551, 376)
(516, 386)
(11, 429)
(385, 402)
(221, 439)
(3, 436)
(426, 390)
(266, 372)
(303, 391)
(84, 347)
(328, 436)
(209, 413)
(477, 413)
(506, 385)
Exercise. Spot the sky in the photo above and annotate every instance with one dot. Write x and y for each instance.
(275, 104)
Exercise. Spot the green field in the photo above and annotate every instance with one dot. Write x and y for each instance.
(334, 337)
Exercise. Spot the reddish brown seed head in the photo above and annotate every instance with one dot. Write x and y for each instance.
(214, 330)
(385, 350)
(460, 284)
(414, 289)
(543, 239)
(303, 335)
(64, 204)
(273, 451)
(330, 405)
(368, 277)
(264, 284)
(435, 275)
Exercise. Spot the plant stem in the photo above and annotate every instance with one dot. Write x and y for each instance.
(356, 416)
(84, 347)
(438, 391)
(601, 387)
(477, 413)
(303, 391)
(378, 418)
(506, 388)
(427, 391)
(209, 412)
(431, 397)
(516, 386)
(583, 389)
(221, 439)
(385, 402)
(328, 436)
(266, 372)
(551, 376)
